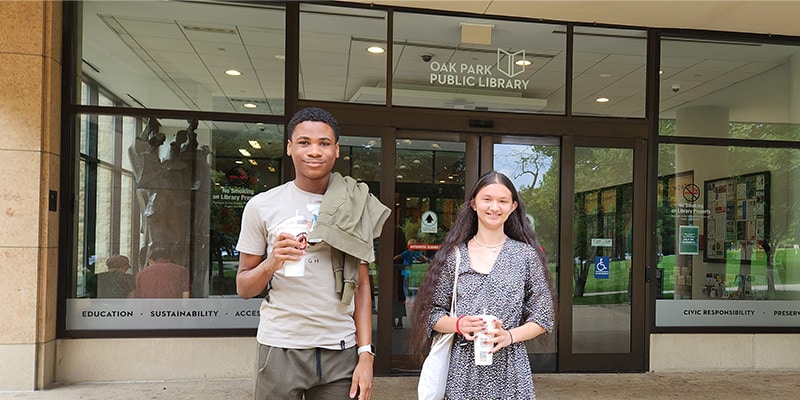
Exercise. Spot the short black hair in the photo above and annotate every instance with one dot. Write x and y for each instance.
(313, 114)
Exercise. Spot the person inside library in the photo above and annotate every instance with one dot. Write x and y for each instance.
(162, 278)
(116, 283)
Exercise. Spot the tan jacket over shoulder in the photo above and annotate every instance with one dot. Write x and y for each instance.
(350, 218)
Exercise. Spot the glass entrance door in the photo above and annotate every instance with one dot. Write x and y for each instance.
(533, 164)
(603, 266)
(578, 193)
(431, 171)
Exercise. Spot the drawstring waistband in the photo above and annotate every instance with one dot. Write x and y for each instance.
(319, 364)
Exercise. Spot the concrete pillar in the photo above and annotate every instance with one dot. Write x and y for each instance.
(705, 121)
(30, 120)
(794, 88)
(706, 162)
(790, 186)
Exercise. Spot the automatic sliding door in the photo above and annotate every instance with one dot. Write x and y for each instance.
(430, 175)
(534, 167)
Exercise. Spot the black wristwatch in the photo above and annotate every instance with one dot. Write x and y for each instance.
(368, 348)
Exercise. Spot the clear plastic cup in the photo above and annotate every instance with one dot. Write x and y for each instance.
(482, 355)
(297, 268)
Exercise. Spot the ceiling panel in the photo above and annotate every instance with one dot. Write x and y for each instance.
(164, 28)
(222, 35)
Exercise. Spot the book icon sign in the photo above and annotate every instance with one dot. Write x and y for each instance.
(506, 62)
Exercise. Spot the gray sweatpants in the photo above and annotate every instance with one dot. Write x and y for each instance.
(317, 374)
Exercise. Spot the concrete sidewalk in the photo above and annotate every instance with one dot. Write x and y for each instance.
(651, 386)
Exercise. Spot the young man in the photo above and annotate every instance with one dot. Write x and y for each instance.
(315, 330)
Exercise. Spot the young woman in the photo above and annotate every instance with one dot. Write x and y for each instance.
(502, 272)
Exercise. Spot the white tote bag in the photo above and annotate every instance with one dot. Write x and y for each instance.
(433, 376)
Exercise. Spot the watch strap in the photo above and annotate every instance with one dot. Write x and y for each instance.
(367, 348)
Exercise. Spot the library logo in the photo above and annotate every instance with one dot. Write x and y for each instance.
(509, 66)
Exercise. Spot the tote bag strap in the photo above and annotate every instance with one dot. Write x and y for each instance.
(455, 284)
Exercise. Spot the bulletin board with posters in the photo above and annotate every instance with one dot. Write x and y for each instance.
(738, 215)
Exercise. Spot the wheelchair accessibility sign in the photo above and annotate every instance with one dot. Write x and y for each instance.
(601, 265)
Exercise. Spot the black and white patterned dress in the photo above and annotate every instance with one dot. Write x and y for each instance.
(515, 291)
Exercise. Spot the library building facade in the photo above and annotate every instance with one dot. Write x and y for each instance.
(656, 158)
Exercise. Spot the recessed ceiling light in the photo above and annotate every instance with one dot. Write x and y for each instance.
(605, 75)
(244, 152)
(523, 63)
(239, 162)
(249, 105)
(602, 100)
(233, 72)
(375, 49)
(254, 144)
(253, 162)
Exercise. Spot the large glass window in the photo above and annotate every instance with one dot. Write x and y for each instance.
(609, 67)
(182, 55)
(736, 90)
(156, 189)
(165, 191)
(172, 191)
(342, 54)
(478, 64)
(727, 233)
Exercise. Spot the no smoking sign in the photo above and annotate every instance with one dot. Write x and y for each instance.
(691, 192)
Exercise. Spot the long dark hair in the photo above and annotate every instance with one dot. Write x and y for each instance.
(517, 227)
